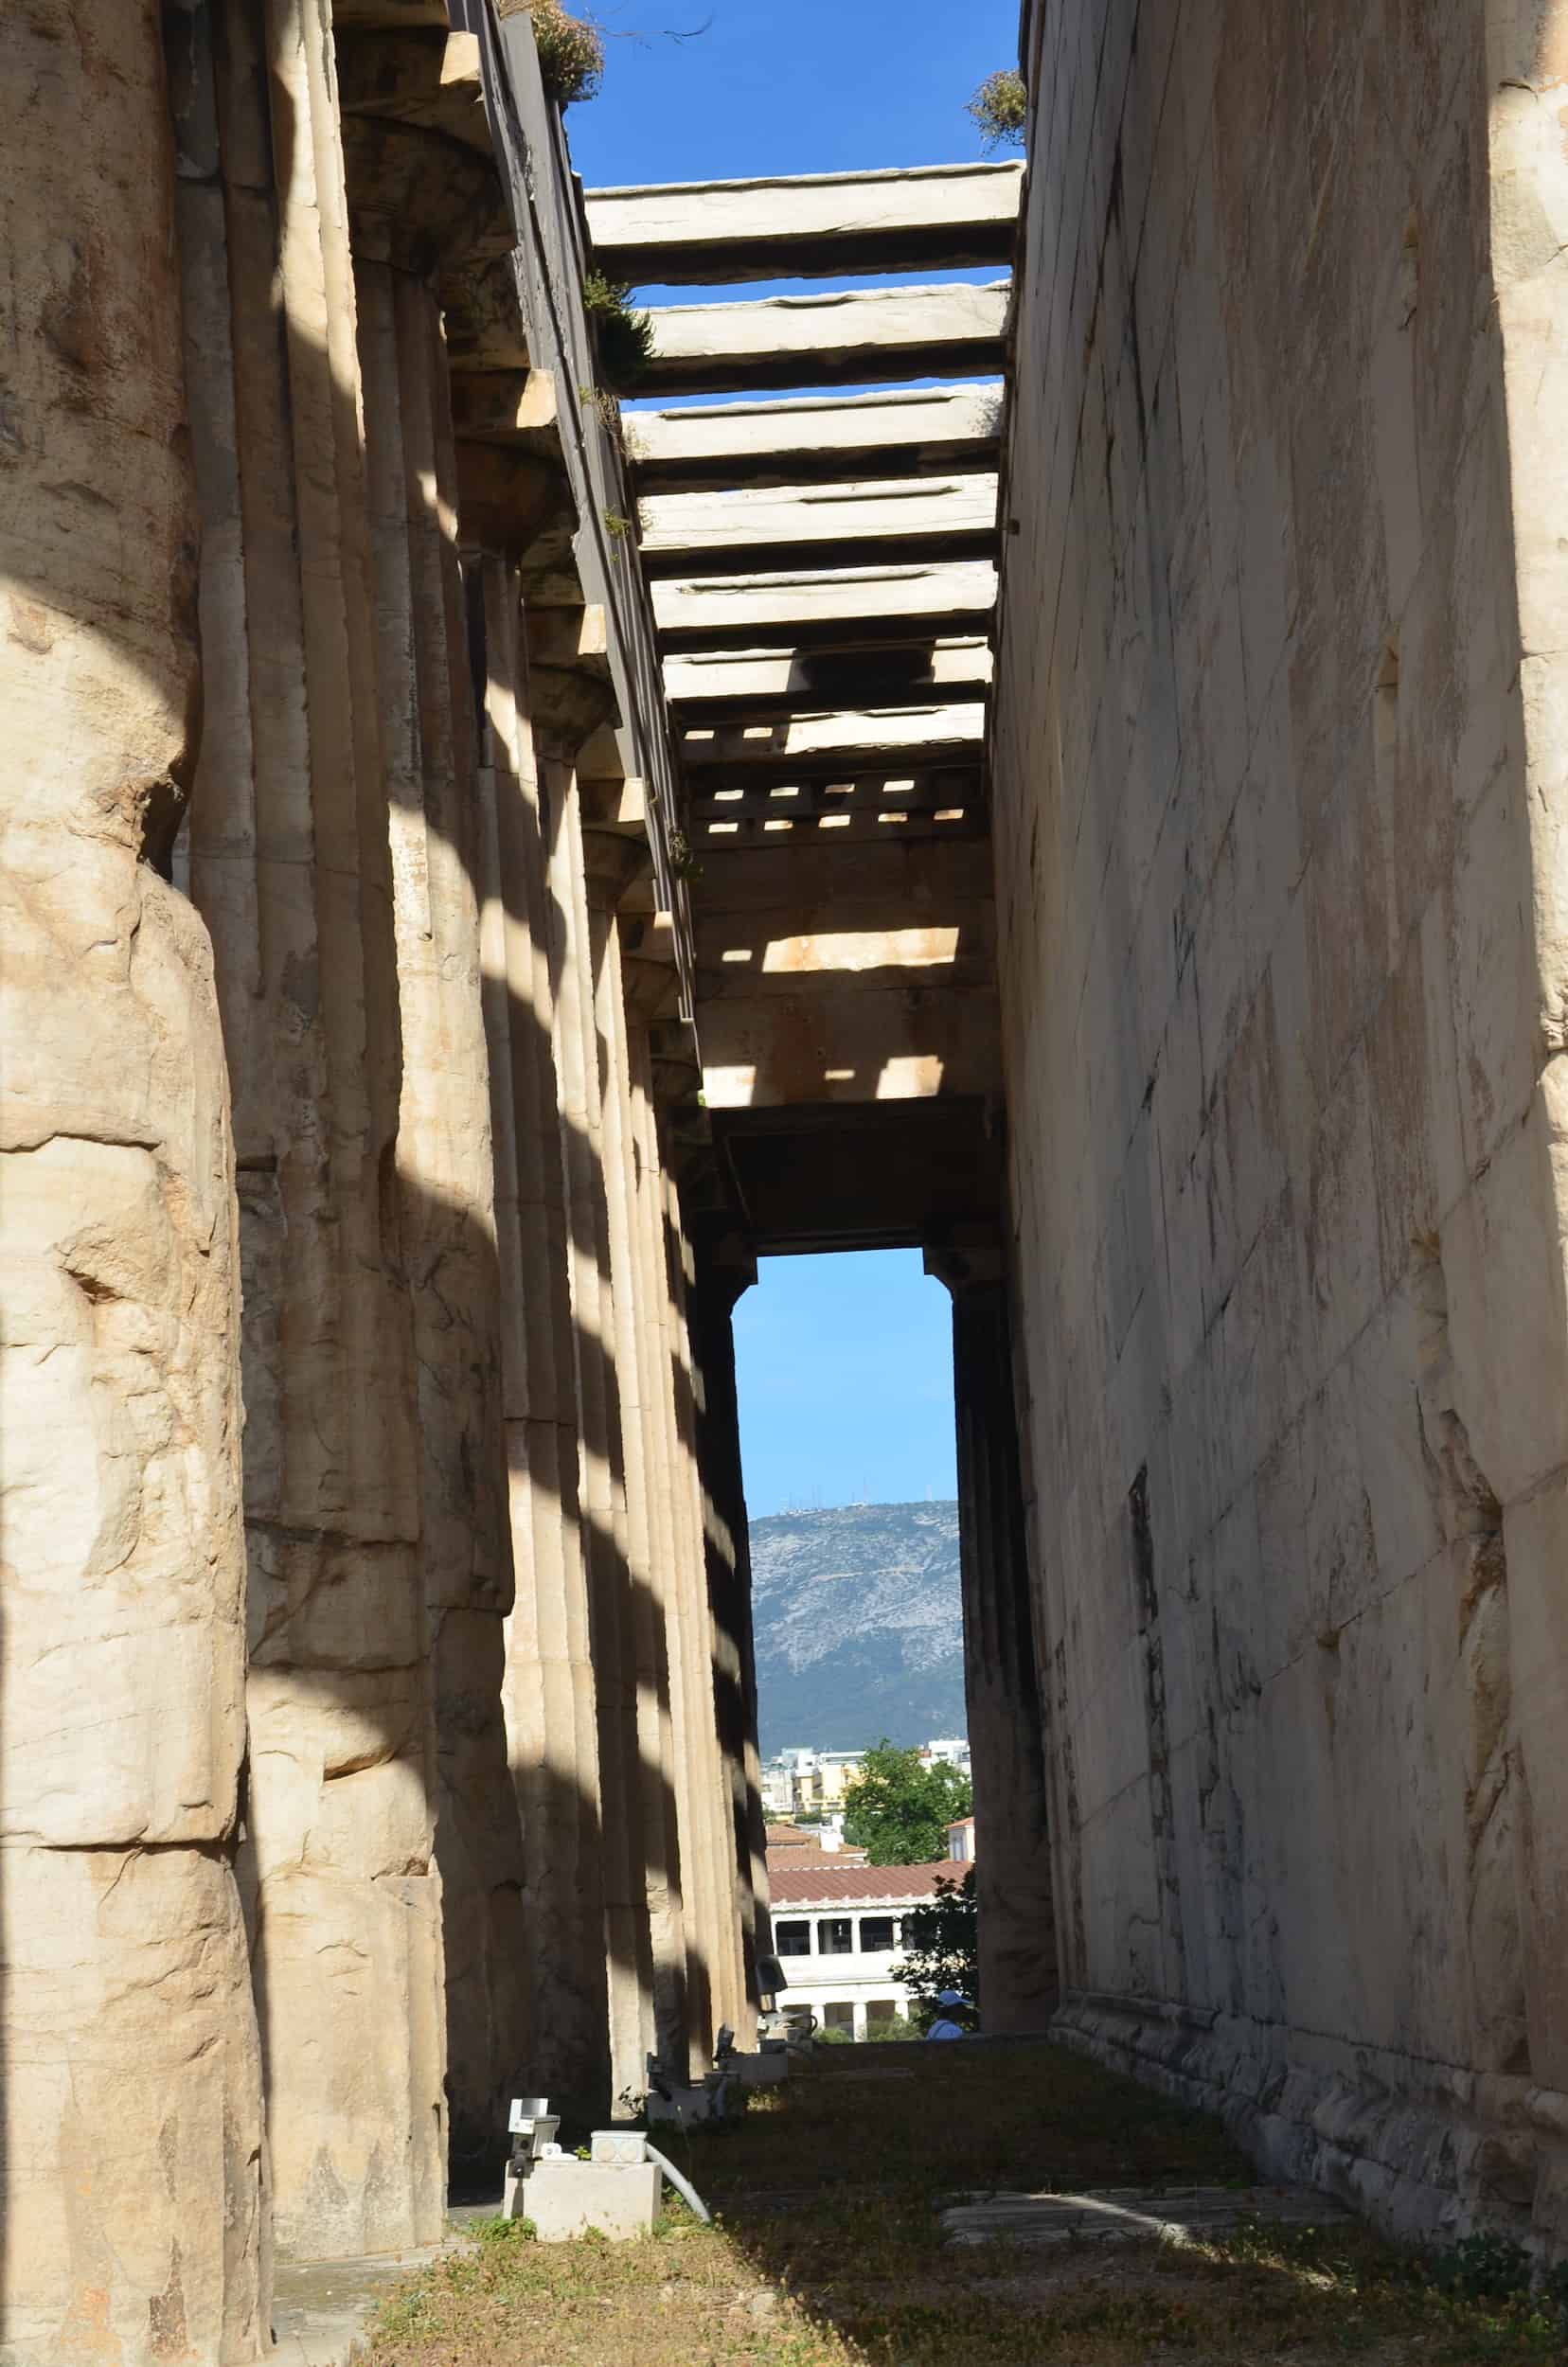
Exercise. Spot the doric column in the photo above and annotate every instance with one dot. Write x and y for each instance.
(549, 1685)
(579, 1061)
(130, 2210)
(708, 1905)
(725, 1266)
(610, 862)
(1017, 1961)
(444, 1153)
(290, 862)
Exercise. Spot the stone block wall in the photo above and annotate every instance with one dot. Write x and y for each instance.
(1277, 760)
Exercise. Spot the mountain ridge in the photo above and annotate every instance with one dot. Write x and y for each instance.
(859, 1625)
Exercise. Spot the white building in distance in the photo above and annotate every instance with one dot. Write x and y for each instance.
(837, 1931)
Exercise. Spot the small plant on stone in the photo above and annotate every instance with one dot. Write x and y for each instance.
(615, 526)
(624, 335)
(1001, 108)
(682, 859)
(571, 49)
(605, 408)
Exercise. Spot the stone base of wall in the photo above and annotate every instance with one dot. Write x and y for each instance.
(1426, 2152)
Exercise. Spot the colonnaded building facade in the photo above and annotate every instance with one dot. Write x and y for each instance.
(478, 871)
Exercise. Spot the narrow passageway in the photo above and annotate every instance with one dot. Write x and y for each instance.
(841, 2203)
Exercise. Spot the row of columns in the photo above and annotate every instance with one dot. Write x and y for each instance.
(357, 1112)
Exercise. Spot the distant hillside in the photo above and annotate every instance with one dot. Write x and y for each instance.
(858, 1629)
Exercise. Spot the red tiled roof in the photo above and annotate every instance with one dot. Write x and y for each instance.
(828, 1884)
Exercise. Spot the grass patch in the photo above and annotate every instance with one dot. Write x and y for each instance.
(826, 2253)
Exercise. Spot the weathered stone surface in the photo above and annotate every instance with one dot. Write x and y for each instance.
(1278, 869)
(565, 2200)
(132, 2206)
(290, 862)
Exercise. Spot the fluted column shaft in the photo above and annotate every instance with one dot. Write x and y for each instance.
(579, 1054)
(445, 1168)
(549, 1683)
(290, 862)
(721, 1271)
(609, 863)
(1018, 1963)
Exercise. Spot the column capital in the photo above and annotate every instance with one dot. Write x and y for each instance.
(728, 1264)
(967, 1259)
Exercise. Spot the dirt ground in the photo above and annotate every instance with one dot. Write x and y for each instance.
(827, 2249)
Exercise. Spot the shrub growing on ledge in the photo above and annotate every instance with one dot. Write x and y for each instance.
(1001, 108)
(571, 49)
(625, 336)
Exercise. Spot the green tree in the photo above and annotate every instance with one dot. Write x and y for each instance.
(899, 1809)
(942, 1943)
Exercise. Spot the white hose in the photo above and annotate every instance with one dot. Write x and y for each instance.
(684, 2185)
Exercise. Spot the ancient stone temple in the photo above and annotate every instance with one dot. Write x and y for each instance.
(478, 871)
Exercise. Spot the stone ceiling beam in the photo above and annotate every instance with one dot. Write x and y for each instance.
(909, 735)
(703, 233)
(799, 439)
(827, 604)
(911, 518)
(829, 339)
(716, 686)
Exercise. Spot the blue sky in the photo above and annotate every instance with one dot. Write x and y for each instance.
(845, 1363)
(846, 1371)
(786, 86)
